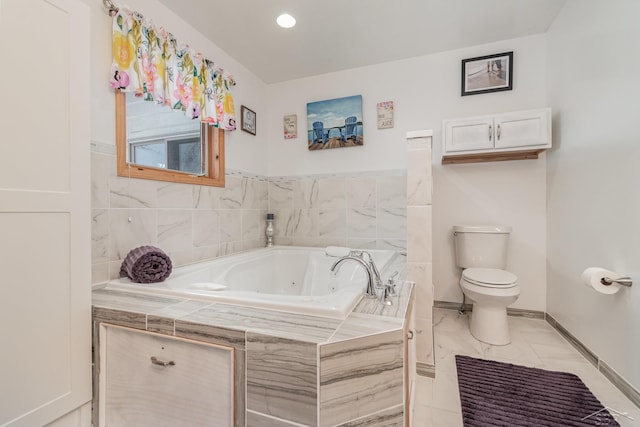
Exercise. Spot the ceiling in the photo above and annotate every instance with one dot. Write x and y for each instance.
(333, 35)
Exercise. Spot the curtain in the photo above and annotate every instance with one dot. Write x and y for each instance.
(152, 63)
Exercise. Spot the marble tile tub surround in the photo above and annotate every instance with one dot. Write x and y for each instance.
(190, 222)
(197, 223)
(360, 210)
(319, 365)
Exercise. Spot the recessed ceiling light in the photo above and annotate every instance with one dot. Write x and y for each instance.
(286, 21)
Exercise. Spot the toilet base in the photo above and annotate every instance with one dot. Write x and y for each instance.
(489, 324)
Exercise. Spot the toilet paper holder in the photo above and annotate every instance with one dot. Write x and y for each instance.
(624, 281)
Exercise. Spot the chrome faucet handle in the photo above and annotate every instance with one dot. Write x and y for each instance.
(391, 286)
(391, 283)
(385, 294)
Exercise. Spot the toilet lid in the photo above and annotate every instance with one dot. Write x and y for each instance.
(490, 277)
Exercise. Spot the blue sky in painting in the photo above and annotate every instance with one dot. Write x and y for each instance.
(333, 111)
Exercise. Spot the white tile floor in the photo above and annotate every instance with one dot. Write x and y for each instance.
(534, 343)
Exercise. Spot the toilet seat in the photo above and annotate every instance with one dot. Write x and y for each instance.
(489, 277)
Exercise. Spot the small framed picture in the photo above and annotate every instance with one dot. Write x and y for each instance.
(290, 126)
(385, 115)
(247, 120)
(484, 74)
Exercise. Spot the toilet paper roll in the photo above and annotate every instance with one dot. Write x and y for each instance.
(593, 276)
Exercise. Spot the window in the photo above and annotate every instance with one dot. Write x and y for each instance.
(182, 153)
(155, 147)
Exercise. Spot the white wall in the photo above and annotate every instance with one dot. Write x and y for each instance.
(593, 177)
(244, 151)
(425, 90)
(503, 193)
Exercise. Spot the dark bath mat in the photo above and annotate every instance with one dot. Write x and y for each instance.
(501, 394)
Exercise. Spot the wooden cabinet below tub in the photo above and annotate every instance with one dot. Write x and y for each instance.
(149, 379)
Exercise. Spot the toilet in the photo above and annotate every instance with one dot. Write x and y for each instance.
(482, 253)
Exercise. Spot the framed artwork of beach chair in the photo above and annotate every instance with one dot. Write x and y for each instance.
(335, 123)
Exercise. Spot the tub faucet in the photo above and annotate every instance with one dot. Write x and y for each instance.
(371, 289)
(374, 270)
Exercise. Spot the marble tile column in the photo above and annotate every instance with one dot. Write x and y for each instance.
(419, 243)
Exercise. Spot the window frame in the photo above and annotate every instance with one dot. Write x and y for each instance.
(214, 139)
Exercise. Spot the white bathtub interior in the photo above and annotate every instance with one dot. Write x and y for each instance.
(285, 278)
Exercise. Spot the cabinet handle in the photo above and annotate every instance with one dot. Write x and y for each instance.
(498, 133)
(490, 132)
(159, 362)
(409, 335)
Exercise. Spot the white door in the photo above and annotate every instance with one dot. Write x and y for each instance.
(523, 129)
(472, 134)
(45, 300)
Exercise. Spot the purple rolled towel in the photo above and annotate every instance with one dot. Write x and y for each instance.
(146, 264)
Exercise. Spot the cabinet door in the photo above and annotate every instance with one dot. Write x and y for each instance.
(523, 129)
(194, 388)
(45, 217)
(468, 134)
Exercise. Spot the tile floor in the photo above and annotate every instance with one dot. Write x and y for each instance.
(534, 343)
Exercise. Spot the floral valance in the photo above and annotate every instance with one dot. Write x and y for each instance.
(152, 63)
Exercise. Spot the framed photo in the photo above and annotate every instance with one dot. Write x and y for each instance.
(247, 120)
(385, 115)
(335, 123)
(484, 74)
(290, 126)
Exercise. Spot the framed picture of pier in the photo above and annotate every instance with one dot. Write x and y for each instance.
(484, 74)
(247, 120)
(335, 123)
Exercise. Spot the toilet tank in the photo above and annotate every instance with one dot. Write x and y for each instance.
(481, 246)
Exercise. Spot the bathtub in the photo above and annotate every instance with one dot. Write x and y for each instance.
(284, 278)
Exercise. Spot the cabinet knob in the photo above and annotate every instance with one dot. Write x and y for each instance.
(159, 362)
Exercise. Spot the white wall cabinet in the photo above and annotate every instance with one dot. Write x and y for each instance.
(496, 137)
(154, 380)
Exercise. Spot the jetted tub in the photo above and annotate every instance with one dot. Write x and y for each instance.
(285, 278)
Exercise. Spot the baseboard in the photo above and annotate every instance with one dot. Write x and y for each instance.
(452, 305)
(530, 314)
(425, 370)
(582, 349)
(516, 312)
(621, 384)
